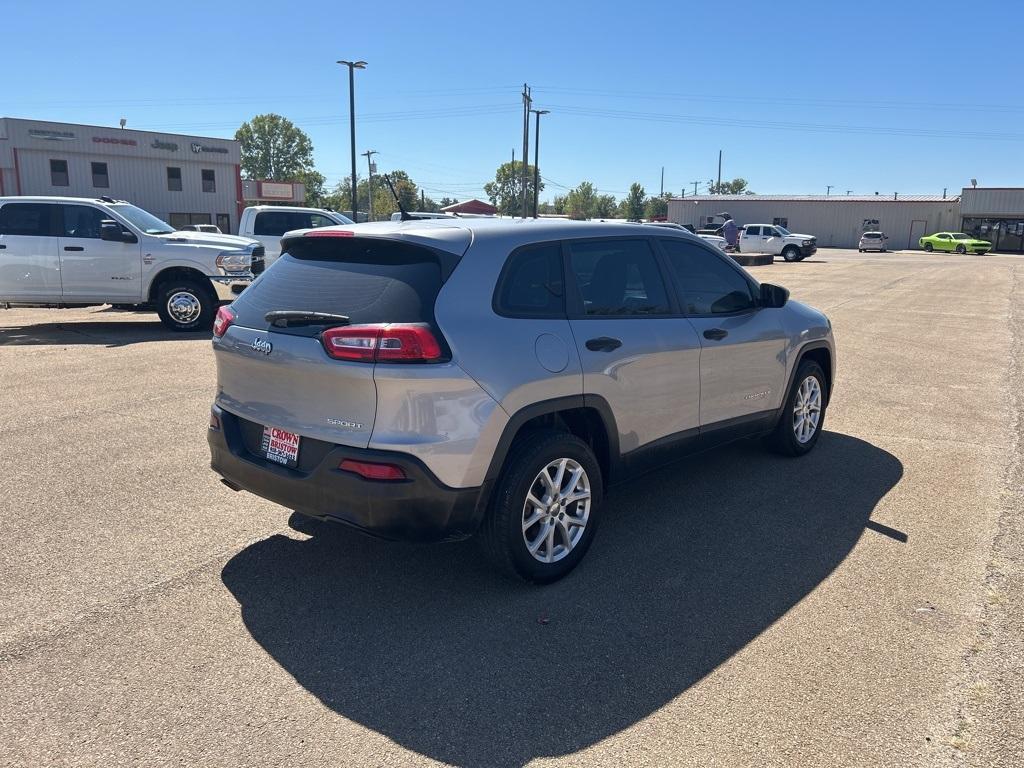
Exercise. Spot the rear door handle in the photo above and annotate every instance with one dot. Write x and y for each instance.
(73, 248)
(603, 344)
(715, 334)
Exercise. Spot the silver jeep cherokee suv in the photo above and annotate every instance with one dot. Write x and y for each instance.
(436, 379)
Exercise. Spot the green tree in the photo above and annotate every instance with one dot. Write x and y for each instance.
(505, 192)
(605, 207)
(314, 182)
(737, 186)
(632, 205)
(581, 202)
(656, 207)
(446, 201)
(558, 204)
(383, 201)
(273, 147)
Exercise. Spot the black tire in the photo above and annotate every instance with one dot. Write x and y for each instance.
(860, 250)
(784, 439)
(501, 534)
(961, 249)
(791, 253)
(929, 247)
(187, 295)
(882, 251)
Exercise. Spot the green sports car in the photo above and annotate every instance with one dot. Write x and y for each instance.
(954, 241)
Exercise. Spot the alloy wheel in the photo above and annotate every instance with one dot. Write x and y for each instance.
(807, 409)
(184, 307)
(556, 510)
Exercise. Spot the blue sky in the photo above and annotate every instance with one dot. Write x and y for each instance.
(905, 97)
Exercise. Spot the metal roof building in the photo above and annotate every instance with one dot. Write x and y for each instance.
(182, 179)
(837, 220)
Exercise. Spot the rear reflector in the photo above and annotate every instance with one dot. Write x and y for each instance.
(330, 233)
(373, 471)
(383, 342)
(225, 317)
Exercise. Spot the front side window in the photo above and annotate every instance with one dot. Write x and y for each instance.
(100, 179)
(531, 283)
(961, 236)
(59, 173)
(144, 220)
(209, 180)
(316, 220)
(82, 221)
(276, 223)
(618, 277)
(770, 232)
(27, 219)
(174, 179)
(705, 282)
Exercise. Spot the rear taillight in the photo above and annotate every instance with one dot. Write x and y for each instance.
(372, 470)
(383, 342)
(225, 317)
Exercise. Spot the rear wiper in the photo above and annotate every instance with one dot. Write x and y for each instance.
(297, 318)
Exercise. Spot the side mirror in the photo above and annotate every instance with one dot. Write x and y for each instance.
(773, 296)
(111, 231)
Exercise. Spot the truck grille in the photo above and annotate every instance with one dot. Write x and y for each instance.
(258, 262)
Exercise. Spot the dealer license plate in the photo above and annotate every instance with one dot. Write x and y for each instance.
(280, 446)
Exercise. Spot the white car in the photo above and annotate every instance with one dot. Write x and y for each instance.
(715, 240)
(872, 241)
(777, 240)
(268, 223)
(81, 252)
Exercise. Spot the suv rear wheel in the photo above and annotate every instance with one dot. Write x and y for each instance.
(185, 305)
(803, 415)
(545, 508)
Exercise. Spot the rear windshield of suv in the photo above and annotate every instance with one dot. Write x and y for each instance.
(369, 280)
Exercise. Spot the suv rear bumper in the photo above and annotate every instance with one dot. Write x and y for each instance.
(420, 508)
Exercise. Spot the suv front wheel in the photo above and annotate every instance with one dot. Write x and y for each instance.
(545, 508)
(803, 415)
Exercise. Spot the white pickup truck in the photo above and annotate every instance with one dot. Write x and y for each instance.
(777, 240)
(267, 223)
(80, 252)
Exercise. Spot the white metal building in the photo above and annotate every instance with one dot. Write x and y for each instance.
(181, 179)
(837, 220)
(995, 214)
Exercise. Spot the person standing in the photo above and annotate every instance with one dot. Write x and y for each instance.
(730, 231)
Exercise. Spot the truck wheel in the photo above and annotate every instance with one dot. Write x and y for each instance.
(185, 305)
(545, 508)
(803, 413)
(928, 247)
(791, 253)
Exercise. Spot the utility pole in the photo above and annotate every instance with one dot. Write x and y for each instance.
(663, 181)
(370, 167)
(527, 102)
(719, 171)
(423, 200)
(695, 183)
(352, 67)
(828, 189)
(536, 158)
(849, 192)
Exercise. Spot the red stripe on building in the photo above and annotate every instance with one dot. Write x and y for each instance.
(238, 190)
(17, 171)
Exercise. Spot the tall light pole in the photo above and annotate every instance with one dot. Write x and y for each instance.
(536, 158)
(368, 154)
(828, 189)
(352, 67)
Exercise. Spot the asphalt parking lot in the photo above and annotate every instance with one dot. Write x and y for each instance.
(860, 606)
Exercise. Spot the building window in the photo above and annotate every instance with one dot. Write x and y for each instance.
(100, 178)
(174, 179)
(224, 223)
(59, 173)
(209, 183)
(781, 221)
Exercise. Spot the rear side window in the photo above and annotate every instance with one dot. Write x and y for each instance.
(706, 284)
(618, 277)
(752, 231)
(276, 223)
(27, 219)
(531, 285)
(368, 280)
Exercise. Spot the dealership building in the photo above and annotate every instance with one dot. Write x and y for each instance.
(182, 179)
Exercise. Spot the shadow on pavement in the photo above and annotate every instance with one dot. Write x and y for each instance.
(114, 333)
(425, 645)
